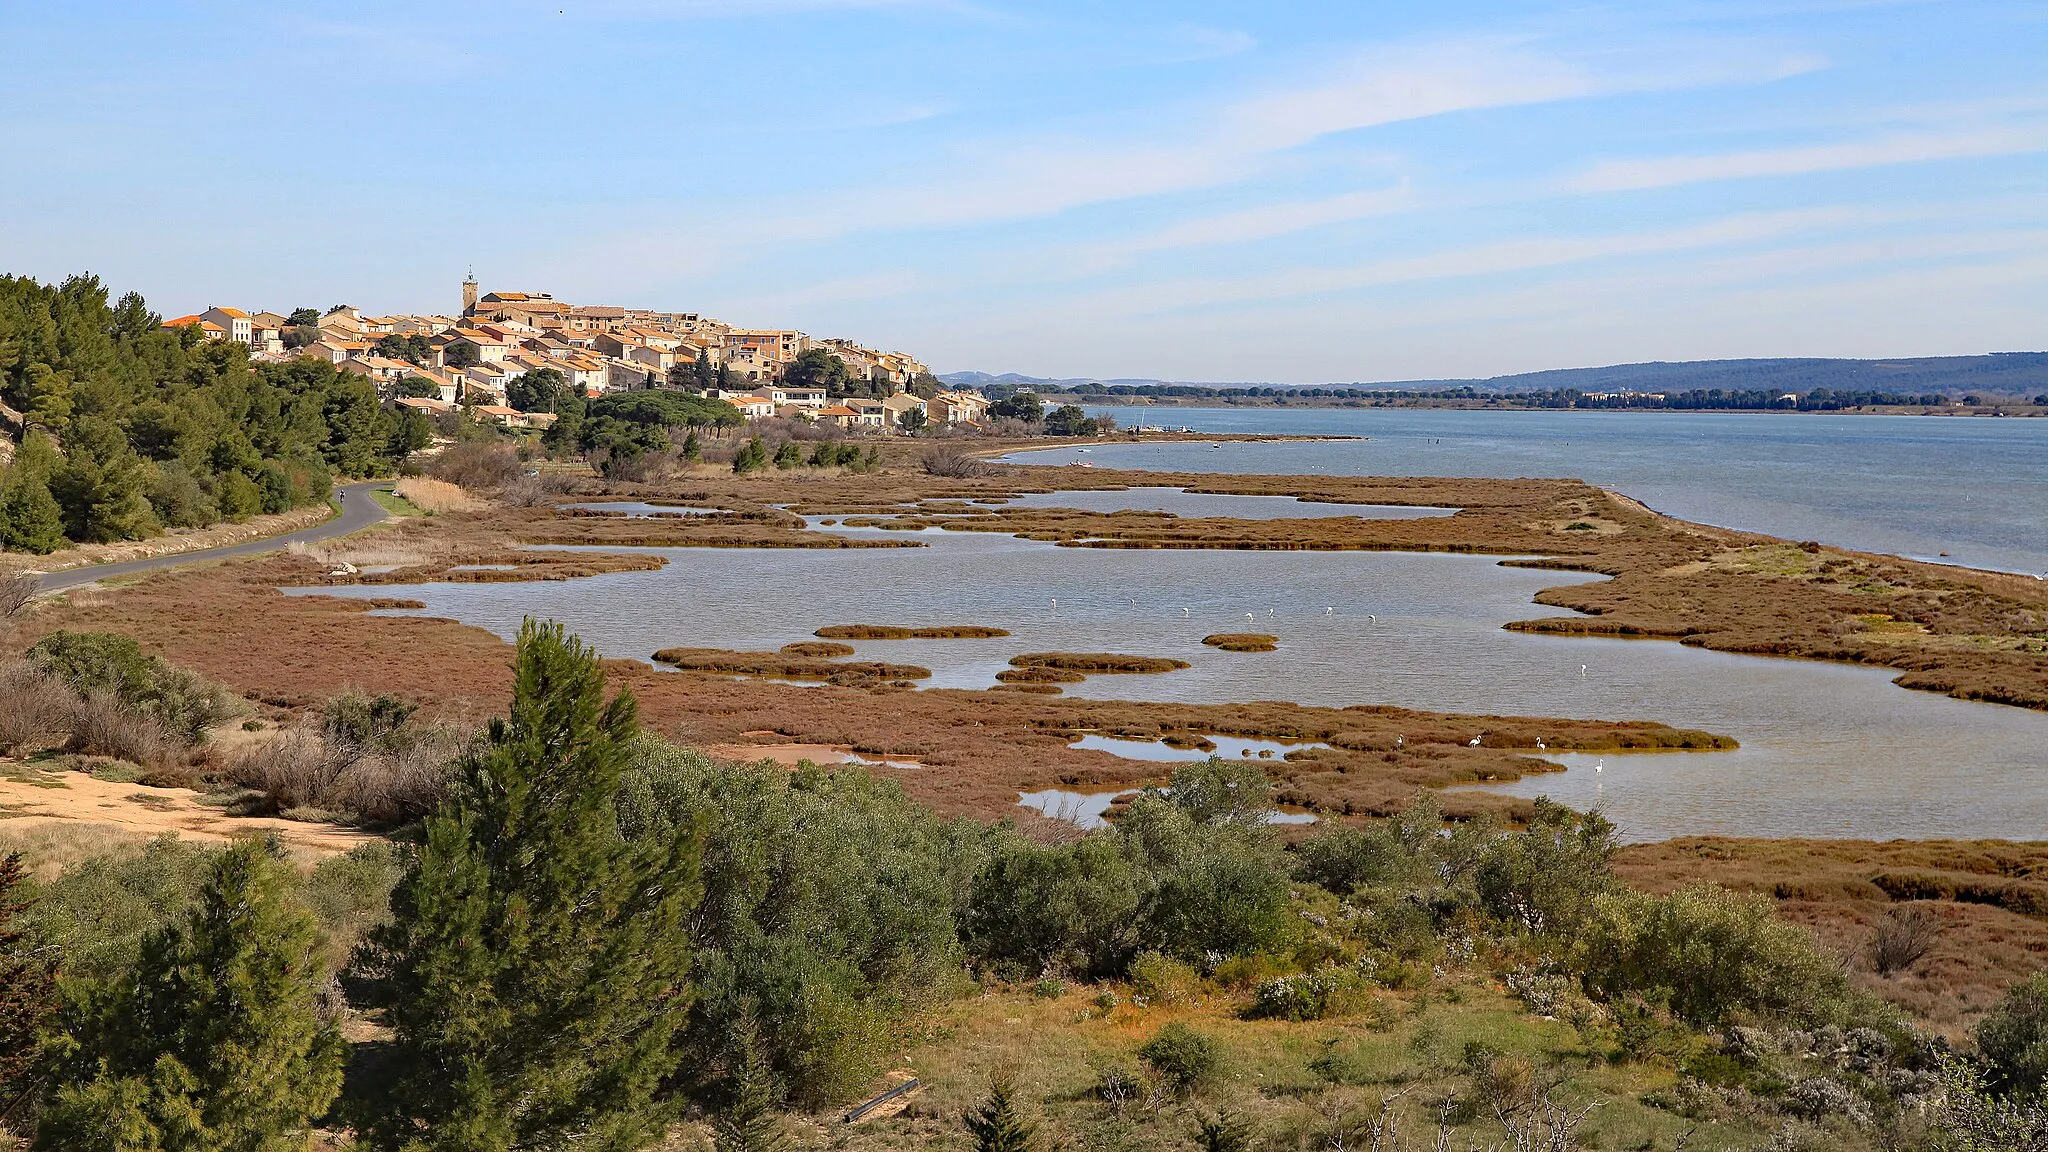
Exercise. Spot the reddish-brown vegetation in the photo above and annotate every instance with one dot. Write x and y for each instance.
(1097, 663)
(1989, 899)
(899, 632)
(784, 666)
(1242, 641)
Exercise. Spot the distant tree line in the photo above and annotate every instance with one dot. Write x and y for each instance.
(121, 428)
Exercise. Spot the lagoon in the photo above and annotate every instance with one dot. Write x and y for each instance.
(1828, 750)
(1973, 488)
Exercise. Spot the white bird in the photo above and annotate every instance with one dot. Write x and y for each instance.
(1542, 747)
(1269, 611)
(1400, 741)
(1370, 618)
(1474, 742)
(1183, 611)
(1132, 599)
(1055, 603)
(1599, 766)
(1582, 671)
(1329, 611)
(1249, 616)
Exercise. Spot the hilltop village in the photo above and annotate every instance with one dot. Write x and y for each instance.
(440, 364)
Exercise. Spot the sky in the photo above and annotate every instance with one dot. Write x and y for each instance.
(1284, 191)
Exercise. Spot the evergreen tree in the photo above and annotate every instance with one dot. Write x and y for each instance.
(28, 988)
(102, 484)
(216, 1041)
(789, 455)
(34, 521)
(748, 1122)
(752, 457)
(693, 450)
(996, 1126)
(706, 378)
(537, 963)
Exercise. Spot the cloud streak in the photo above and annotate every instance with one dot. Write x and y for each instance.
(1900, 148)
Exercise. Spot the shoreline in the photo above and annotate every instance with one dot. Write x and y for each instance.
(2018, 410)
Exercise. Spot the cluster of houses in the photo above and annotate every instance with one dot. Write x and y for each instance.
(469, 361)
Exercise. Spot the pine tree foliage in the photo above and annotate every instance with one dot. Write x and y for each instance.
(28, 988)
(216, 1040)
(537, 964)
(748, 1122)
(996, 1126)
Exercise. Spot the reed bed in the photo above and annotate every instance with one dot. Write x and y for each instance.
(431, 495)
(1242, 641)
(817, 649)
(1098, 663)
(899, 632)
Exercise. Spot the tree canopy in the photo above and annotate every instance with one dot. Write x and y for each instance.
(131, 427)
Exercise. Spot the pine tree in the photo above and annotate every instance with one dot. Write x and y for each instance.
(216, 1041)
(752, 457)
(748, 1122)
(693, 450)
(33, 521)
(537, 963)
(789, 455)
(996, 1126)
(28, 989)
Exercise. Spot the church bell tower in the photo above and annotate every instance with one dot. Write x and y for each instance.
(469, 293)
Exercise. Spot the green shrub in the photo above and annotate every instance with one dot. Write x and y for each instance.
(217, 1039)
(1544, 879)
(107, 662)
(1712, 954)
(1307, 996)
(1164, 980)
(2013, 1039)
(1184, 1058)
(1345, 860)
(97, 912)
(828, 913)
(1071, 907)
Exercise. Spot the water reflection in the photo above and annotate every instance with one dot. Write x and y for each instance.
(1226, 747)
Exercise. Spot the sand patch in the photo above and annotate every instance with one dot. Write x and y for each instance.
(74, 797)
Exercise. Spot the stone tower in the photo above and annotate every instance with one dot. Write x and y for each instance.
(469, 293)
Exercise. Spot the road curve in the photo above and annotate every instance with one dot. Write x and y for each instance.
(358, 511)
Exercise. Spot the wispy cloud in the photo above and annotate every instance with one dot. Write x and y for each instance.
(1898, 148)
(1500, 258)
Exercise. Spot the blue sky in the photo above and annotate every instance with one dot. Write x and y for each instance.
(1198, 190)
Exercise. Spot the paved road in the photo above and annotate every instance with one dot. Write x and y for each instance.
(358, 511)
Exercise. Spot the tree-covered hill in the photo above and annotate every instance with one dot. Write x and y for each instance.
(123, 428)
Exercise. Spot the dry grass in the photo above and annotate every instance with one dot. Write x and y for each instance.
(787, 666)
(817, 649)
(1242, 641)
(1098, 663)
(899, 632)
(1979, 900)
(430, 495)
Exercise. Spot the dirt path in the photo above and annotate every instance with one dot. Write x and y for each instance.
(29, 798)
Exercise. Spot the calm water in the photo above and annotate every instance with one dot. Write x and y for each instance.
(1828, 750)
(1976, 489)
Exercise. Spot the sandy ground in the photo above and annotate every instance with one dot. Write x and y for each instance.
(29, 799)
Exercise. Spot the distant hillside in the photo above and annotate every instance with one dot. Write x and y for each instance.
(1998, 373)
